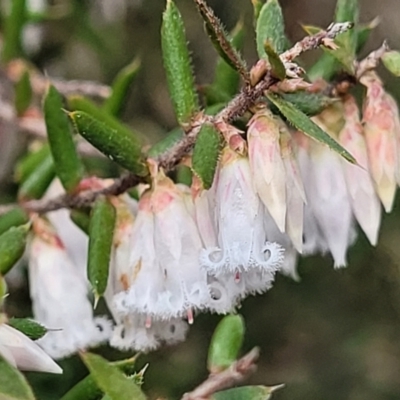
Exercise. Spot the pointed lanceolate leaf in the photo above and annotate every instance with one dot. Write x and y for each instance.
(308, 102)
(300, 121)
(278, 70)
(364, 31)
(271, 28)
(257, 6)
(88, 389)
(3, 290)
(12, 246)
(177, 64)
(111, 380)
(28, 327)
(101, 232)
(13, 385)
(81, 219)
(37, 182)
(15, 217)
(23, 93)
(391, 60)
(120, 88)
(246, 393)
(13, 27)
(67, 163)
(221, 40)
(119, 145)
(206, 153)
(226, 78)
(225, 343)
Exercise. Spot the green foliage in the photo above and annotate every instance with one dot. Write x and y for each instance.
(226, 343)
(12, 246)
(245, 393)
(37, 182)
(15, 217)
(119, 145)
(111, 380)
(30, 162)
(13, 385)
(81, 219)
(101, 232)
(167, 143)
(300, 121)
(206, 153)
(23, 93)
(278, 70)
(391, 60)
(13, 26)
(120, 88)
(67, 163)
(28, 327)
(177, 64)
(271, 28)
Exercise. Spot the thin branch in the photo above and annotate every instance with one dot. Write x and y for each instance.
(235, 374)
(236, 108)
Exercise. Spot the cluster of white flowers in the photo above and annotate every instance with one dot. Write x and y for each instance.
(179, 251)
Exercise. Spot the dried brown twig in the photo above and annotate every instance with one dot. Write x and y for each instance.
(236, 373)
(236, 108)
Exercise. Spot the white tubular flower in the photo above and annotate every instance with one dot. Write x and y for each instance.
(23, 353)
(381, 120)
(364, 201)
(165, 279)
(242, 243)
(266, 164)
(313, 237)
(140, 333)
(59, 297)
(295, 195)
(329, 200)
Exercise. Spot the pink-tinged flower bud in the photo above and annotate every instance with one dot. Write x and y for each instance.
(242, 244)
(143, 333)
(23, 353)
(380, 119)
(163, 278)
(295, 195)
(364, 201)
(59, 297)
(266, 164)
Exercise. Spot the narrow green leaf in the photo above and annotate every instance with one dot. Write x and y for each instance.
(184, 175)
(13, 26)
(120, 88)
(177, 64)
(225, 343)
(79, 103)
(325, 67)
(278, 70)
(30, 162)
(81, 219)
(271, 28)
(309, 103)
(391, 60)
(110, 380)
(12, 246)
(227, 79)
(245, 393)
(222, 40)
(23, 93)
(15, 217)
(3, 290)
(36, 184)
(28, 327)
(300, 121)
(101, 232)
(166, 143)
(87, 388)
(119, 145)
(364, 31)
(67, 163)
(206, 153)
(13, 385)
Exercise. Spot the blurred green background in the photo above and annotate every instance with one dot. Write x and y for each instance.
(335, 335)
